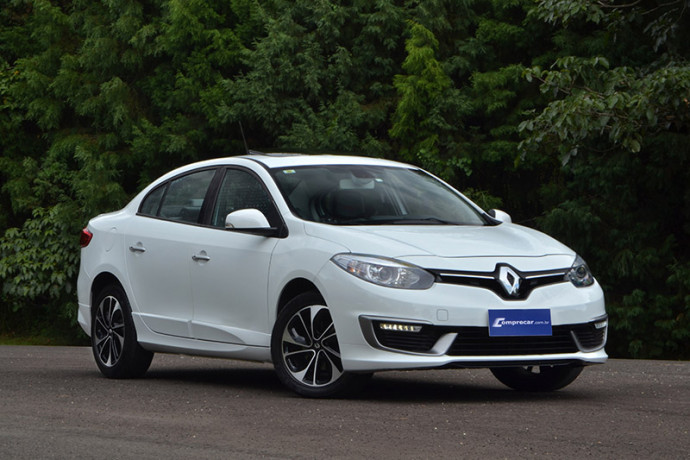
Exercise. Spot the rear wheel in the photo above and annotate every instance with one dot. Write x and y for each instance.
(306, 353)
(537, 378)
(113, 337)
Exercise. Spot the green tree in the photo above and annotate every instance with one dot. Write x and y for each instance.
(505, 40)
(97, 99)
(418, 121)
(619, 122)
(320, 78)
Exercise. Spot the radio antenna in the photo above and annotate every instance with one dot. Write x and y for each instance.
(246, 147)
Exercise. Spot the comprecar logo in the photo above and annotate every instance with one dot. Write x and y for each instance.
(521, 322)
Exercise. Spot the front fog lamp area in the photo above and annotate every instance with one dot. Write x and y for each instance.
(579, 273)
(385, 272)
(399, 327)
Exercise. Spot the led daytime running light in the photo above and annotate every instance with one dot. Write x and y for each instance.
(399, 327)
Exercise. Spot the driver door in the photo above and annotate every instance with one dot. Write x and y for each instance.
(230, 271)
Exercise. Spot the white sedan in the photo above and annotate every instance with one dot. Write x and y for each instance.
(332, 268)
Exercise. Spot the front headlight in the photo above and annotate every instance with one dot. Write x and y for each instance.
(579, 273)
(385, 272)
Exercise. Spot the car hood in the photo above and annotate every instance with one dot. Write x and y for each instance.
(504, 240)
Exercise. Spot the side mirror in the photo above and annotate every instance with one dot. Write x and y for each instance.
(501, 216)
(249, 221)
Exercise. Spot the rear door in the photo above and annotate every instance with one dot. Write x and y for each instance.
(158, 250)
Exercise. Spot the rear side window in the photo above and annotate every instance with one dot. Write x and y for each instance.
(152, 202)
(179, 200)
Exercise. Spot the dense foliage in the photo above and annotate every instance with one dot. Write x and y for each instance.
(572, 115)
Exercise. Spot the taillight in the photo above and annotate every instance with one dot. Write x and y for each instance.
(85, 237)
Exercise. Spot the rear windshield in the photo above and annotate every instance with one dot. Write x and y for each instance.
(372, 195)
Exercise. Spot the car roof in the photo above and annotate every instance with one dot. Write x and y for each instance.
(284, 160)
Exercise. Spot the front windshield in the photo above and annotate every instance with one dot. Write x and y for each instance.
(372, 195)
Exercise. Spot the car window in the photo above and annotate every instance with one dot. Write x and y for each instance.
(152, 202)
(372, 195)
(241, 190)
(181, 199)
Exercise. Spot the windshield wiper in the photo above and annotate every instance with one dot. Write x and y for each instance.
(393, 221)
(414, 221)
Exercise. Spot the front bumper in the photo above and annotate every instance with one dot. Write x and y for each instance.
(431, 340)
(454, 325)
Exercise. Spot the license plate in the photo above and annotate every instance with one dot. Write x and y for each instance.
(519, 323)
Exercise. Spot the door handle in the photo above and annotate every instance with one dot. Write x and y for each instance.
(137, 248)
(200, 258)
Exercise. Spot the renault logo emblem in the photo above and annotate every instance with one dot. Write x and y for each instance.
(510, 280)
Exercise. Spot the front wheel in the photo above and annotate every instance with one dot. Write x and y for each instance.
(537, 378)
(113, 337)
(306, 353)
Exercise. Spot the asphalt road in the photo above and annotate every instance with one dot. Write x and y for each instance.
(55, 404)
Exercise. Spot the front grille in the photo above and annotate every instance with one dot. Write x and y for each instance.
(529, 281)
(475, 341)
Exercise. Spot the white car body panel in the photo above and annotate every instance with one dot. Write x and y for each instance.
(445, 241)
(159, 278)
(230, 290)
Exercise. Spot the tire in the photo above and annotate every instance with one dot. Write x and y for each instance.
(113, 337)
(306, 353)
(537, 378)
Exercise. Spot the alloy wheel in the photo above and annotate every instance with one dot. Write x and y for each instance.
(109, 331)
(310, 347)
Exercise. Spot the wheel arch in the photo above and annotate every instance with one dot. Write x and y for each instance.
(294, 288)
(101, 281)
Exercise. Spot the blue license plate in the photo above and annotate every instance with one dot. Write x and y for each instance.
(519, 323)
